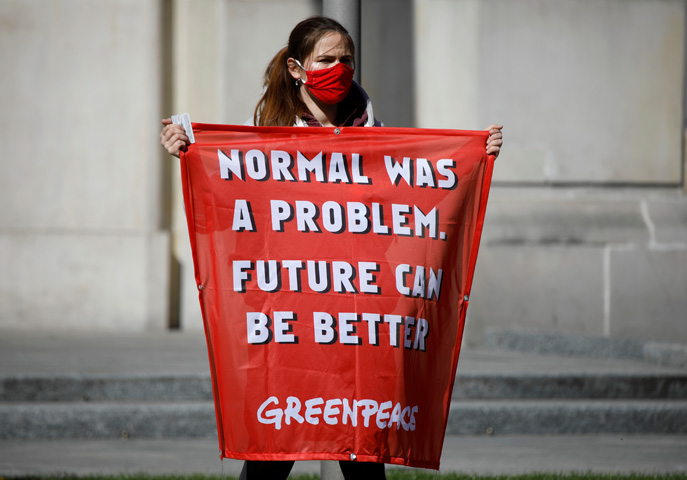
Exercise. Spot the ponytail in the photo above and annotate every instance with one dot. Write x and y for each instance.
(280, 103)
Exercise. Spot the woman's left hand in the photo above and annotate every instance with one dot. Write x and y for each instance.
(495, 140)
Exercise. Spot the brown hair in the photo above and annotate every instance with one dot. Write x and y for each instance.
(281, 102)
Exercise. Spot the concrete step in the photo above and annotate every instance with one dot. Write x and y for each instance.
(470, 417)
(571, 386)
(660, 353)
(564, 417)
(103, 388)
(107, 420)
(198, 387)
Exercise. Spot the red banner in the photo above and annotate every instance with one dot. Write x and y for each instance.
(334, 268)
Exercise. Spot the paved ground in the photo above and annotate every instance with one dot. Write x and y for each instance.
(37, 353)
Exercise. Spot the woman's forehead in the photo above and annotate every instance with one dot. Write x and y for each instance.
(331, 44)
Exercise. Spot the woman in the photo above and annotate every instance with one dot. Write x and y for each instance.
(310, 83)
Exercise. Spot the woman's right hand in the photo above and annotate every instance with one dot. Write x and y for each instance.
(173, 137)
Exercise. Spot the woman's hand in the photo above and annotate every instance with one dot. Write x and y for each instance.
(495, 140)
(173, 137)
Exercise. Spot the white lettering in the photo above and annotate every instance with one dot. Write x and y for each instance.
(367, 278)
(282, 163)
(396, 171)
(282, 329)
(268, 278)
(383, 415)
(334, 410)
(343, 274)
(294, 267)
(434, 284)
(306, 214)
(421, 334)
(358, 217)
(444, 167)
(258, 325)
(240, 275)
(324, 325)
(338, 170)
(369, 408)
(256, 165)
(331, 411)
(372, 320)
(271, 417)
(425, 173)
(357, 165)
(292, 411)
(347, 329)
(429, 222)
(281, 212)
(229, 166)
(311, 410)
(407, 332)
(422, 287)
(399, 221)
(333, 217)
(306, 167)
(401, 271)
(394, 322)
(243, 217)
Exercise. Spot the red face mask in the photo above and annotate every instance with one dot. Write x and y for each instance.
(329, 85)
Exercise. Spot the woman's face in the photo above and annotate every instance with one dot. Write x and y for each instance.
(329, 50)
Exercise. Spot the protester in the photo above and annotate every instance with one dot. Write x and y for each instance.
(319, 56)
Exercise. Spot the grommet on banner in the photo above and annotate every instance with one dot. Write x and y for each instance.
(466, 298)
(200, 287)
(353, 457)
(337, 131)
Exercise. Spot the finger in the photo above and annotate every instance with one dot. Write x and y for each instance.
(171, 130)
(166, 121)
(182, 138)
(166, 131)
(492, 129)
(178, 135)
(175, 147)
(493, 151)
(174, 144)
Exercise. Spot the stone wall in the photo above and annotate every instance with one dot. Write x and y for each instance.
(586, 229)
(83, 240)
(585, 261)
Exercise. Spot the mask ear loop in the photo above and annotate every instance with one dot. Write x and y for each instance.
(303, 68)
